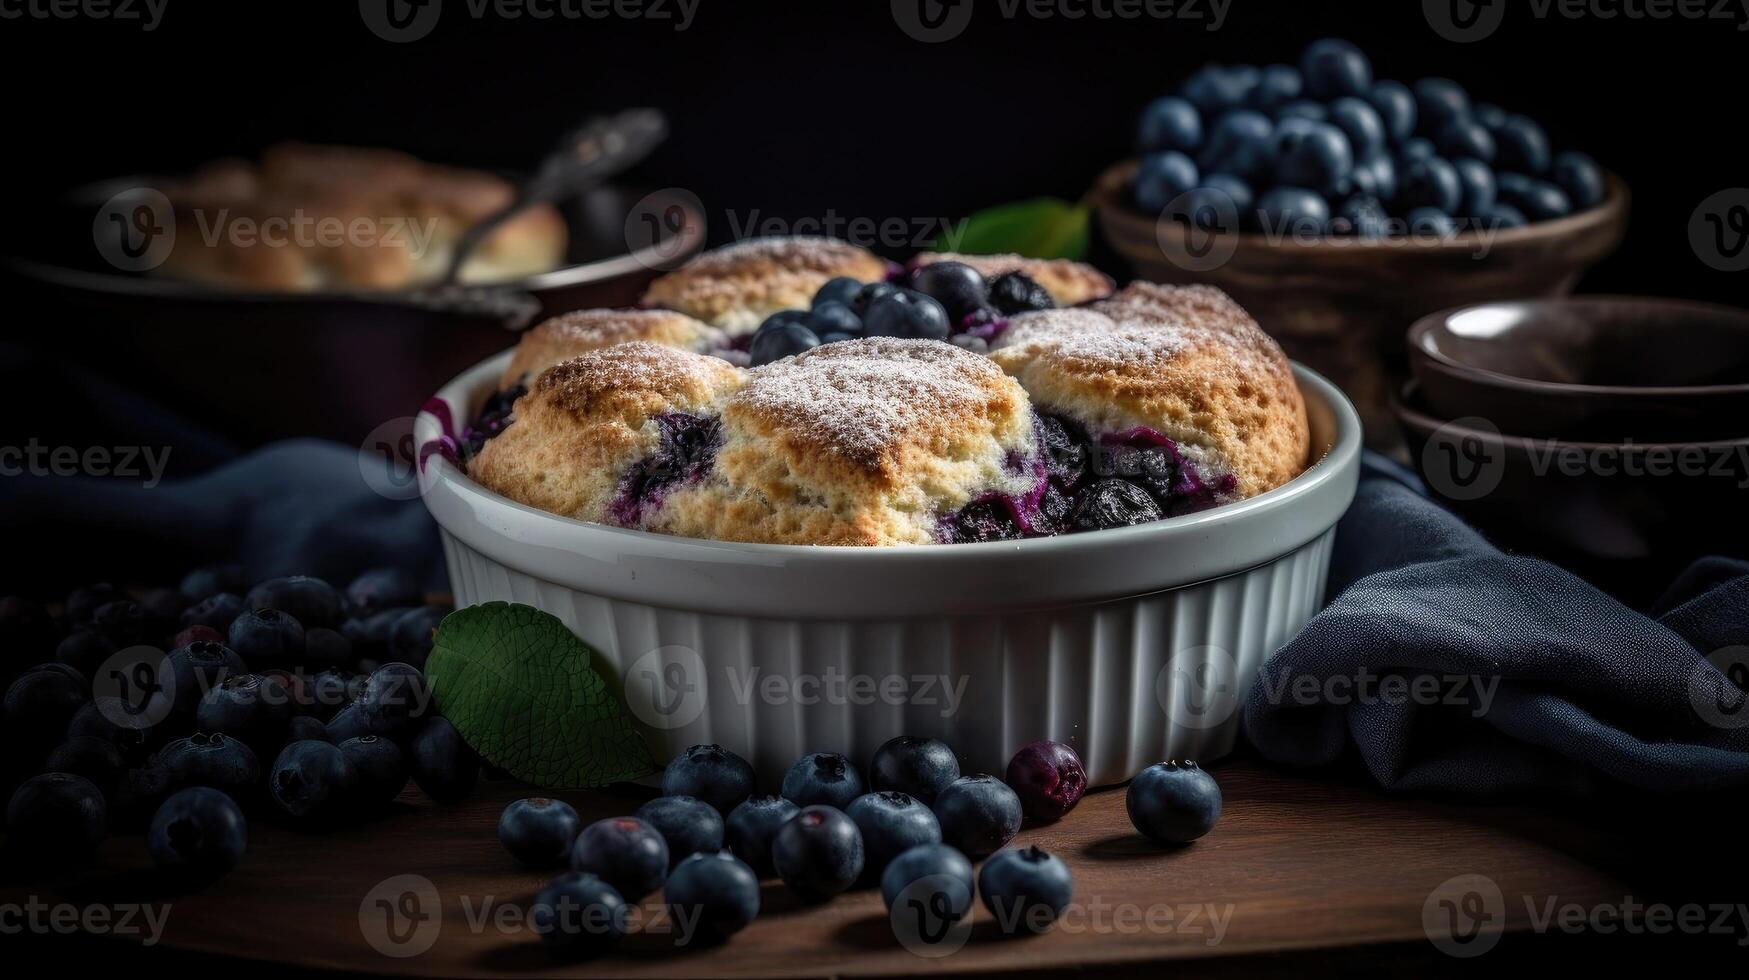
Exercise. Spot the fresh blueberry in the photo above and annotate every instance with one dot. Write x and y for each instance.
(88, 756)
(717, 893)
(370, 634)
(1173, 803)
(1302, 109)
(1335, 68)
(263, 637)
(1207, 209)
(1312, 154)
(85, 650)
(1025, 889)
(1361, 216)
(348, 723)
(1360, 122)
(1049, 779)
(199, 832)
(943, 870)
(121, 622)
(198, 668)
(217, 611)
(1429, 183)
(1505, 216)
(394, 700)
(1539, 200)
(55, 819)
(1522, 146)
(866, 296)
(710, 773)
(688, 825)
(215, 760)
(1418, 148)
(326, 648)
(539, 832)
(1236, 190)
(381, 588)
(1016, 292)
(117, 722)
(1170, 123)
(1580, 178)
(1477, 181)
(308, 600)
(918, 767)
(1276, 84)
(751, 826)
(1489, 114)
(1117, 503)
(978, 814)
(1213, 89)
(196, 634)
(414, 632)
(249, 707)
(1375, 176)
(837, 337)
(443, 765)
(822, 777)
(958, 287)
(818, 853)
(303, 727)
(842, 289)
(1464, 137)
(1241, 143)
(775, 341)
(1160, 177)
(626, 852)
(579, 914)
(42, 701)
(83, 602)
(381, 766)
(891, 822)
(1431, 222)
(210, 580)
(1439, 101)
(833, 317)
(313, 782)
(139, 793)
(1396, 108)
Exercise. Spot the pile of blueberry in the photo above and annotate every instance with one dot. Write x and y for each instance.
(940, 301)
(291, 700)
(912, 825)
(1323, 148)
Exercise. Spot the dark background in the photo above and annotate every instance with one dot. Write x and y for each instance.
(791, 109)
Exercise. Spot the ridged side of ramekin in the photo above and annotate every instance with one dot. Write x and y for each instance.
(1128, 682)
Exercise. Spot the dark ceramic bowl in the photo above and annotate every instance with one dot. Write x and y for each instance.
(1339, 304)
(1598, 368)
(1626, 513)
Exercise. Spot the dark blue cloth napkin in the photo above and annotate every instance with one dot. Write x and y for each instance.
(1447, 666)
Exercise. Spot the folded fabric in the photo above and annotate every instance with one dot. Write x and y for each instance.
(1450, 667)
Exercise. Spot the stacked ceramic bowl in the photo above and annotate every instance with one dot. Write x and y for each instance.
(1612, 432)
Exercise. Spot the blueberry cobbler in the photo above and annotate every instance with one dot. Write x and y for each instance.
(962, 399)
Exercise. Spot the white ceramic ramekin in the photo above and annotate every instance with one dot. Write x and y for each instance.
(1133, 645)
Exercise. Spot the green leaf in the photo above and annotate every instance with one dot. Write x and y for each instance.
(523, 691)
(1042, 228)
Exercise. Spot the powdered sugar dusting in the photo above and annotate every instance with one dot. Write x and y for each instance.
(861, 399)
(634, 366)
(795, 252)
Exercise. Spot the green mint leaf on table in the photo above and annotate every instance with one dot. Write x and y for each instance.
(1042, 228)
(523, 691)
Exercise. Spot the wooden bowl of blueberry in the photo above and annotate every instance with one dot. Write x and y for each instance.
(1340, 208)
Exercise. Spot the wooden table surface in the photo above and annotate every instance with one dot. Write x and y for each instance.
(1300, 874)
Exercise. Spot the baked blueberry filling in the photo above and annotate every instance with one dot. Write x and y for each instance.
(685, 453)
(1089, 484)
(494, 417)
